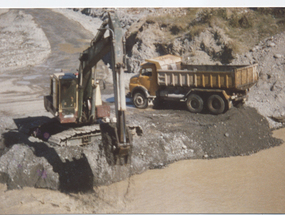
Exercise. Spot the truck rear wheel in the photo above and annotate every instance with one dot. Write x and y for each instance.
(216, 104)
(194, 103)
(140, 101)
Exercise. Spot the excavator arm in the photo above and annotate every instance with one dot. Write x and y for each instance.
(100, 46)
(89, 58)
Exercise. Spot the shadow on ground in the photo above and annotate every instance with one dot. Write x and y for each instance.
(74, 173)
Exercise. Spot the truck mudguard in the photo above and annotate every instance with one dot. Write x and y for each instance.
(140, 89)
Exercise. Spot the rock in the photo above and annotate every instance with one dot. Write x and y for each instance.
(227, 134)
(271, 44)
(23, 172)
(278, 56)
(248, 55)
(278, 118)
(256, 48)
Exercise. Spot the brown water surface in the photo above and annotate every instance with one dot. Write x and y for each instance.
(245, 184)
(71, 48)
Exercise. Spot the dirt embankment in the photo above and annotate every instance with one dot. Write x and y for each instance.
(267, 96)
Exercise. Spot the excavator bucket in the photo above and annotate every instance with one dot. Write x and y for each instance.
(115, 151)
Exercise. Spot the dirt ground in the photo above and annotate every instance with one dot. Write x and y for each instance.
(170, 132)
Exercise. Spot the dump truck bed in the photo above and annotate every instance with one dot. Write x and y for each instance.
(239, 77)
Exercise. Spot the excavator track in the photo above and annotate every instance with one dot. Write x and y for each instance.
(75, 136)
(56, 134)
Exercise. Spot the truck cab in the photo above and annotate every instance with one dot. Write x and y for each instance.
(144, 86)
(146, 79)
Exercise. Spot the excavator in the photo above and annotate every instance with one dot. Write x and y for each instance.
(75, 99)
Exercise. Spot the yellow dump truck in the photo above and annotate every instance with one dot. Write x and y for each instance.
(212, 87)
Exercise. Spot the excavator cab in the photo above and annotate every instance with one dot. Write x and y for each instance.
(62, 101)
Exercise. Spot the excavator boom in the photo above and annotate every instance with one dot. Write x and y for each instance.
(99, 47)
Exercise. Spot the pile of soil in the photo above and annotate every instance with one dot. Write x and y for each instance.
(174, 134)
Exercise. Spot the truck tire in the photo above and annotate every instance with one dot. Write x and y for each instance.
(194, 103)
(216, 104)
(140, 101)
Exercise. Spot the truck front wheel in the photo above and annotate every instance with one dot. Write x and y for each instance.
(216, 104)
(194, 103)
(140, 101)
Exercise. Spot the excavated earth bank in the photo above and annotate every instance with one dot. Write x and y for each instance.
(170, 133)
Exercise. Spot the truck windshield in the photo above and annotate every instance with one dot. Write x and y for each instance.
(68, 92)
(146, 72)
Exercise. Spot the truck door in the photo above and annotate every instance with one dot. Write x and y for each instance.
(148, 79)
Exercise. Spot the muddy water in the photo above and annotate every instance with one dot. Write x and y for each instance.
(249, 184)
(71, 49)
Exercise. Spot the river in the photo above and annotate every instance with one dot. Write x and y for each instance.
(243, 184)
